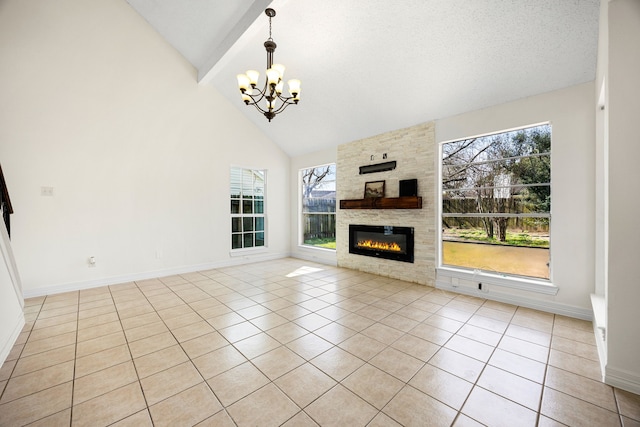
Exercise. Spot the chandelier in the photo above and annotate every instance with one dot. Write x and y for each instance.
(271, 93)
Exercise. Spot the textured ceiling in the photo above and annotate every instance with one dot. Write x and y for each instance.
(370, 66)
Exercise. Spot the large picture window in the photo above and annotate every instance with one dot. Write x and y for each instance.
(496, 202)
(319, 206)
(247, 208)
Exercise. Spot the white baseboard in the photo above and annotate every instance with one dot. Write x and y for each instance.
(621, 378)
(114, 280)
(548, 306)
(321, 256)
(5, 347)
(601, 345)
(598, 305)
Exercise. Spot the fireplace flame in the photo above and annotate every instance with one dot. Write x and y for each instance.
(383, 246)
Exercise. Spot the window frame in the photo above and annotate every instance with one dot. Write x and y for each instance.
(453, 277)
(301, 212)
(242, 215)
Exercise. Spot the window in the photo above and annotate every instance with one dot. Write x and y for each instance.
(496, 202)
(247, 208)
(319, 206)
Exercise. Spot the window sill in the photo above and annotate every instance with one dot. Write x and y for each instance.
(316, 248)
(248, 251)
(454, 277)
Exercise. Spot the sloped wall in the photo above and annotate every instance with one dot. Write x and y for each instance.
(96, 105)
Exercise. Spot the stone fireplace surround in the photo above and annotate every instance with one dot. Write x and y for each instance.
(414, 149)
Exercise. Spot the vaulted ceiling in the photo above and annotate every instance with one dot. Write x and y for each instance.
(371, 66)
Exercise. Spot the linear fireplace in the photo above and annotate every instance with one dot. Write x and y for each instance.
(382, 241)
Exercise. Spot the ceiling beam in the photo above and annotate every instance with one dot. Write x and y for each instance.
(216, 60)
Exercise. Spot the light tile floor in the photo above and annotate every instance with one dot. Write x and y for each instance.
(294, 343)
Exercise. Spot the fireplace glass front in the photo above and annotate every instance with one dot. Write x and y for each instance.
(382, 241)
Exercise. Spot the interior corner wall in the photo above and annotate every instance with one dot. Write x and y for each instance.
(98, 107)
(414, 151)
(602, 141)
(623, 286)
(318, 158)
(571, 114)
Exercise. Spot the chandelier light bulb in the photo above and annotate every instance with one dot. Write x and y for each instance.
(294, 87)
(280, 69)
(272, 76)
(243, 82)
(253, 77)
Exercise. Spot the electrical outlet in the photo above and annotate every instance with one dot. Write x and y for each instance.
(483, 287)
(46, 191)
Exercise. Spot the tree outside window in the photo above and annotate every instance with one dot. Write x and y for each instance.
(496, 202)
(319, 206)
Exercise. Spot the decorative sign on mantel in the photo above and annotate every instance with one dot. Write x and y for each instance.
(379, 167)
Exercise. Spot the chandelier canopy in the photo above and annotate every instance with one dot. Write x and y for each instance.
(275, 102)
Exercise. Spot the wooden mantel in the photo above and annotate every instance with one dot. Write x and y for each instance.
(411, 202)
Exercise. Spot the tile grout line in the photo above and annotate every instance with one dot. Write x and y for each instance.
(135, 368)
(75, 361)
(168, 286)
(363, 290)
(475, 383)
(544, 378)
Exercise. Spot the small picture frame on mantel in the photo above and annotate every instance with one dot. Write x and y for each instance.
(373, 189)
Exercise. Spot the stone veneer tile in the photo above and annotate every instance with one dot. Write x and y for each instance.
(414, 150)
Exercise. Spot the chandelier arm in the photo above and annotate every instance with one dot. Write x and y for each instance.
(289, 99)
(257, 98)
(259, 108)
(260, 96)
(282, 107)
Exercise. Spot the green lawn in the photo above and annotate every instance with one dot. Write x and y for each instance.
(513, 238)
(327, 243)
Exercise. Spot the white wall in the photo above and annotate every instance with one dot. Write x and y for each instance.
(572, 117)
(323, 157)
(623, 340)
(96, 105)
